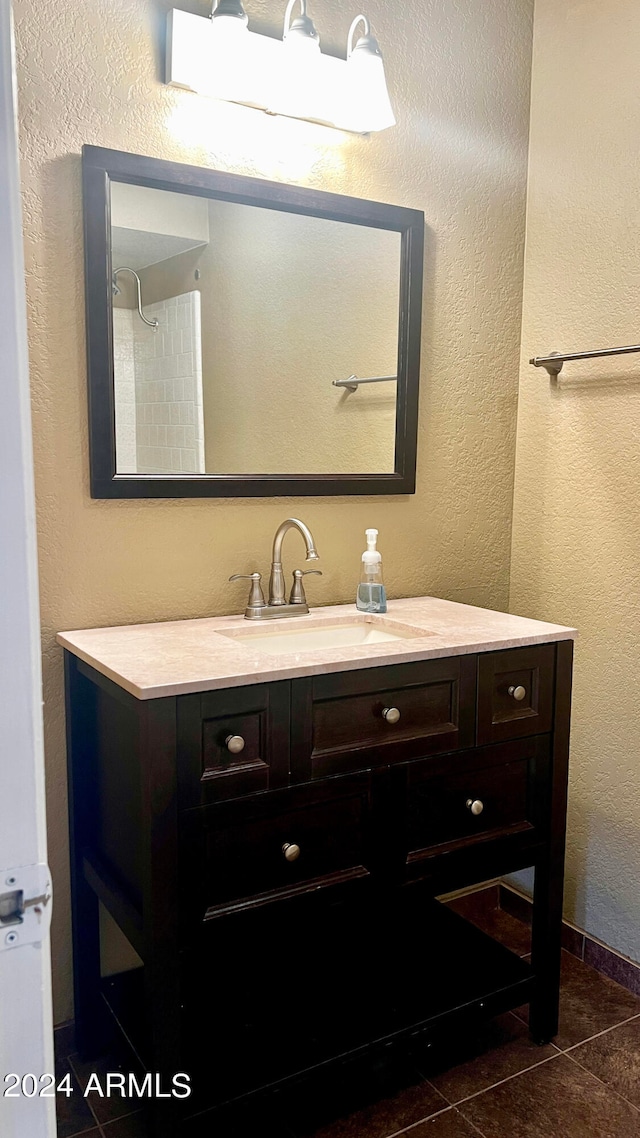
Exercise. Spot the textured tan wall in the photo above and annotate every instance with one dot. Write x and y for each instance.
(459, 73)
(576, 541)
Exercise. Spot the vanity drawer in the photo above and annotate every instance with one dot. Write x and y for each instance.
(276, 846)
(232, 743)
(357, 720)
(515, 692)
(494, 792)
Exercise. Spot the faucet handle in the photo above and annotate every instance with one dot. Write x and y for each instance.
(297, 591)
(256, 596)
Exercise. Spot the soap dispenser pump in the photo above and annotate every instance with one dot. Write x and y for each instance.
(371, 595)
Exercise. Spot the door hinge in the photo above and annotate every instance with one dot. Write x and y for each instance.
(25, 905)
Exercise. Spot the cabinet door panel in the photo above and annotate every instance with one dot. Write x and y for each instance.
(515, 692)
(232, 743)
(339, 722)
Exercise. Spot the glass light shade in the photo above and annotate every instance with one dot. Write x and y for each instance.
(367, 105)
(229, 72)
(298, 90)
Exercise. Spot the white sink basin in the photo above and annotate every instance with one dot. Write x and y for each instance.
(342, 634)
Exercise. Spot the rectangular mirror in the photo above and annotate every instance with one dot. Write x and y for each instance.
(247, 338)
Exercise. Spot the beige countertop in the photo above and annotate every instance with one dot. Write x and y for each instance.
(181, 656)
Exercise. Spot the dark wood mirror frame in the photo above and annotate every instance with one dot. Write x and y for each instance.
(100, 167)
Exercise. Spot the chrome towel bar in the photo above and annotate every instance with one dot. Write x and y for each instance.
(553, 363)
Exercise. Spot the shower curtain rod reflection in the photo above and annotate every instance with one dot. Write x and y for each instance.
(124, 269)
(353, 383)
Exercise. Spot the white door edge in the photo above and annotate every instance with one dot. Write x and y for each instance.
(26, 1027)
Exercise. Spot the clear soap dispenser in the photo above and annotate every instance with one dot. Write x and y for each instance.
(371, 596)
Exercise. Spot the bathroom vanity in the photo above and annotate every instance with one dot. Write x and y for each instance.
(270, 823)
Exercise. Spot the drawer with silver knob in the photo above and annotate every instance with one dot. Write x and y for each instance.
(273, 846)
(361, 719)
(515, 692)
(485, 796)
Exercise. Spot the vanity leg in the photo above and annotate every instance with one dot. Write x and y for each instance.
(546, 954)
(546, 945)
(91, 1017)
(158, 745)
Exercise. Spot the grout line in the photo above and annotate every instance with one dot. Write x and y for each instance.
(87, 1098)
(99, 1124)
(470, 1123)
(108, 1121)
(88, 1101)
(602, 1082)
(549, 1059)
(427, 1118)
(509, 1078)
(95, 1124)
(605, 1031)
(581, 1042)
(565, 1050)
(514, 1012)
(454, 1106)
(91, 1130)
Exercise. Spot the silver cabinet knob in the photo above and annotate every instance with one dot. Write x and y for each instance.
(235, 744)
(291, 851)
(391, 714)
(475, 806)
(517, 692)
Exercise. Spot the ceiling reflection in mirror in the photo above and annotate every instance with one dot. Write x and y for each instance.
(231, 325)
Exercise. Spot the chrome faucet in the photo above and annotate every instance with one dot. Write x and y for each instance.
(278, 606)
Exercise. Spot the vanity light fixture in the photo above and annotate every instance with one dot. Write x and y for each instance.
(220, 57)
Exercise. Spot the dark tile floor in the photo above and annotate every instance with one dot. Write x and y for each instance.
(496, 1084)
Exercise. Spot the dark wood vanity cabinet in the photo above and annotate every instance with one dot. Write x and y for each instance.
(283, 897)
